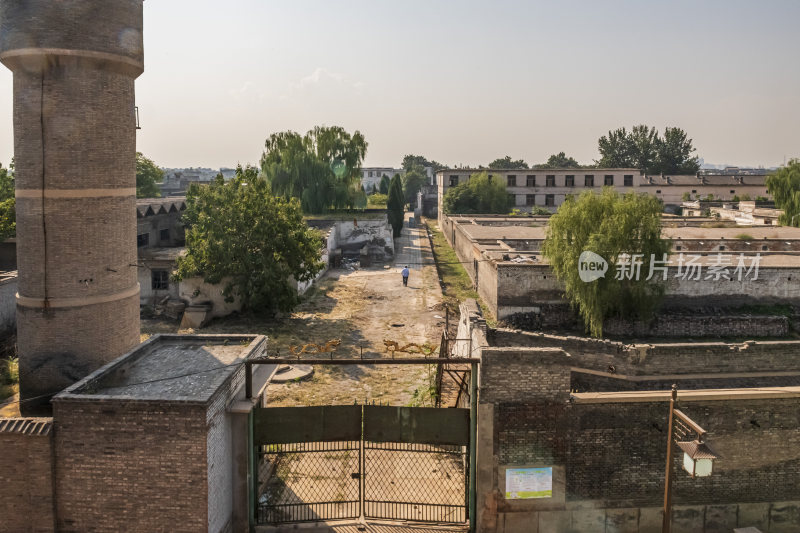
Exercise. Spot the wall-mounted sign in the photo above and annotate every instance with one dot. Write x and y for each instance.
(526, 483)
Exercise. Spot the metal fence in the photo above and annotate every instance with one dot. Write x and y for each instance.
(310, 481)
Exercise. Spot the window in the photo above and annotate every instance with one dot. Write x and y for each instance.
(530, 199)
(627, 180)
(694, 191)
(511, 180)
(678, 248)
(733, 192)
(530, 180)
(512, 199)
(549, 199)
(453, 181)
(658, 191)
(569, 180)
(370, 173)
(764, 247)
(722, 248)
(608, 180)
(550, 181)
(588, 180)
(163, 235)
(160, 280)
(143, 239)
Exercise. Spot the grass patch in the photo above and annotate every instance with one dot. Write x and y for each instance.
(457, 283)
(744, 237)
(718, 224)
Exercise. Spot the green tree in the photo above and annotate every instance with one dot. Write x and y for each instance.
(674, 153)
(560, 160)
(507, 162)
(413, 181)
(384, 185)
(644, 149)
(240, 234)
(609, 225)
(395, 205)
(784, 186)
(410, 161)
(148, 176)
(8, 213)
(616, 150)
(321, 168)
(480, 194)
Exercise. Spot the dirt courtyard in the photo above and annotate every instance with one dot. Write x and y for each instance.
(362, 308)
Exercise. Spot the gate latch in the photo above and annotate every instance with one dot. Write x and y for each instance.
(355, 475)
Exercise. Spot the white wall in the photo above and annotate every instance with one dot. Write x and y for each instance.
(8, 303)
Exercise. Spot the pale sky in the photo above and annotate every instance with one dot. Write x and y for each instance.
(463, 82)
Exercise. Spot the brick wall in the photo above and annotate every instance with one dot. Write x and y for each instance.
(130, 466)
(26, 475)
(661, 358)
(615, 452)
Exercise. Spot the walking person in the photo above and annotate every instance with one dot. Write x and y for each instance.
(405, 276)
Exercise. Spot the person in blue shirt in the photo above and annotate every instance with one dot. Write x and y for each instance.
(405, 276)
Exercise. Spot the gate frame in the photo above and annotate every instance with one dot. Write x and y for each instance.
(473, 413)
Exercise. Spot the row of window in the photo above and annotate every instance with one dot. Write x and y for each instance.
(550, 180)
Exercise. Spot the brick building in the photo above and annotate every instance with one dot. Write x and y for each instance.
(547, 188)
(593, 414)
(503, 258)
(157, 437)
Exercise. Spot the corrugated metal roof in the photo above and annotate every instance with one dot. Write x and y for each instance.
(27, 426)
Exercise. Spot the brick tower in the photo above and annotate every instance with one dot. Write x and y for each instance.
(74, 65)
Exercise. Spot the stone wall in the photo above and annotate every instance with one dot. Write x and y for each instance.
(749, 326)
(26, 475)
(120, 462)
(659, 358)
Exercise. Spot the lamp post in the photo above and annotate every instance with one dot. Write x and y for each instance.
(697, 456)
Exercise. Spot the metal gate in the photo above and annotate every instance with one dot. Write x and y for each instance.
(344, 462)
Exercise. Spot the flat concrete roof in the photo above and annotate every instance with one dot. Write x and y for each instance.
(189, 368)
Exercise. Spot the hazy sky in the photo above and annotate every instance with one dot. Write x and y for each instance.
(463, 82)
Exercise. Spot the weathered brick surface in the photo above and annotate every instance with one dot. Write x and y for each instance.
(661, 358)
(131, 466)
(26, 477)
(79, 340)
(74, 130)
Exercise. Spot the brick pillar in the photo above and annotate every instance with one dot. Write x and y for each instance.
(74, 66)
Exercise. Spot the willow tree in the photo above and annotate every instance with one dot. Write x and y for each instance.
(320, 168)
(784, 186)
(625, 231)
(254, 243)
(482, 194)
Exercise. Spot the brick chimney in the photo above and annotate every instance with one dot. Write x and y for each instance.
(74, 65)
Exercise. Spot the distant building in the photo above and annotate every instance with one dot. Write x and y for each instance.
(549, 187)
(177, 180)
(372, 176)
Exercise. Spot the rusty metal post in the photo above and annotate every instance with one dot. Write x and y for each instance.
(473, 440)
(667, 520)
(248, 380)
